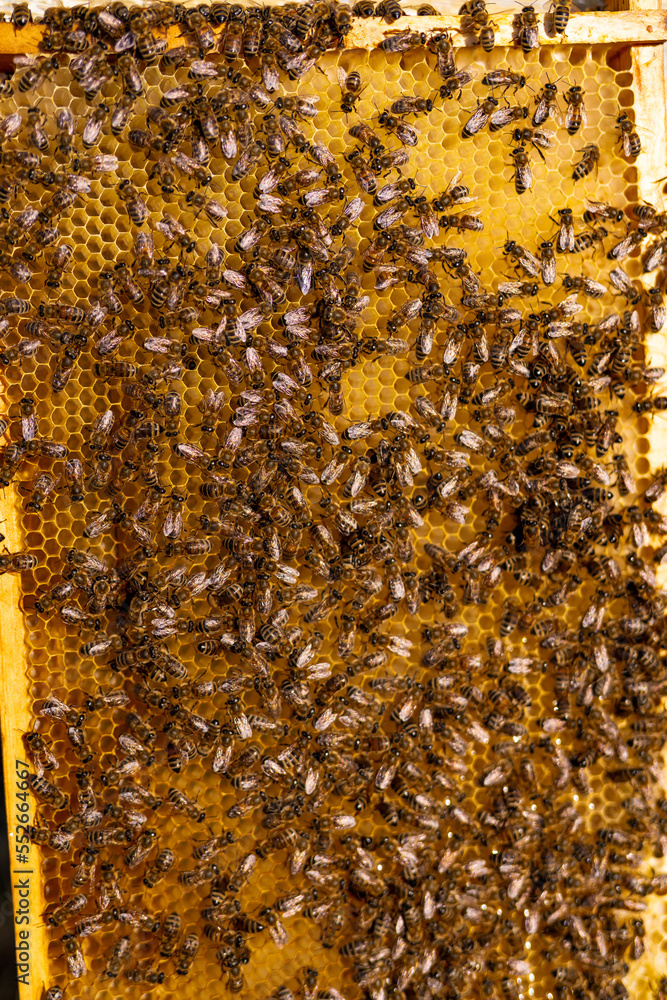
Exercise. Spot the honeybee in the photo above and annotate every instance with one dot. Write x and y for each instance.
(527, 29)
(47, 791)
(504, 78)
(590, 156)
(406, 133)
(657, 307)
(479, 117)
(76, 965)
(403, 41)
(409, 104)
(547, 262)
(594, 289)
(575, 116)
(454, 84)
(170, 932)
(39, 753)
(523, 175)
(350, 88)
(119, 955)
(506, 116)
(597, 211)
(187, 954)
(547, 106)
(560, 14)
(242, 873)
(163, 863)
(565, 240)
(467, 221)
(364, 175)
(623, 284)
(627, 136)
(21, 15)
(523, 257)
(475, 19)
(139, 851)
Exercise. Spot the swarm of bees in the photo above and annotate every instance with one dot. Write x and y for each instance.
(281, 599)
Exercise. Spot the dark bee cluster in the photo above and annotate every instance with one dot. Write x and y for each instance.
(340, 565)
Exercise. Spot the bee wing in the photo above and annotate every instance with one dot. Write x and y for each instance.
(353, 209)
(445, 63)
(76, 964)
(571, 117)
(584, 117)
(517, 341)
(595, 207)
(463, 76)
(640, 536)
(549, 271)
(570, 306)
(509, 287)
(529, 263)
(242, 726)
(658, 315)
(477, 121)
(321, 154)
(307, 104)
(429, 224)
(555, 330)
(28, 427)
(451, 351)
(566, 237)
(501, 117)
(313, 199)
(494, 776)
(554, 112)
(525, 175)
(328, 434)
(530, 36)
(454, 181)
(543, 138)
(655, 257)
(593, 288)
(386, 277)
(342, 78)
(541, 112)
(221, 759)
(388, 218)
(407, 134)
(621, 250)
(386, 193)
(305, 277)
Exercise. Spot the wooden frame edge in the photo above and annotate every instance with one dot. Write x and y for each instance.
(630, 27)
(16, 718)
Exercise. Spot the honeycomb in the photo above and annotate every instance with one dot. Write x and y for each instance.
(101, 235)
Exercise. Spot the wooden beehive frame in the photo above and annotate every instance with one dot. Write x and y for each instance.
(637, 29)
